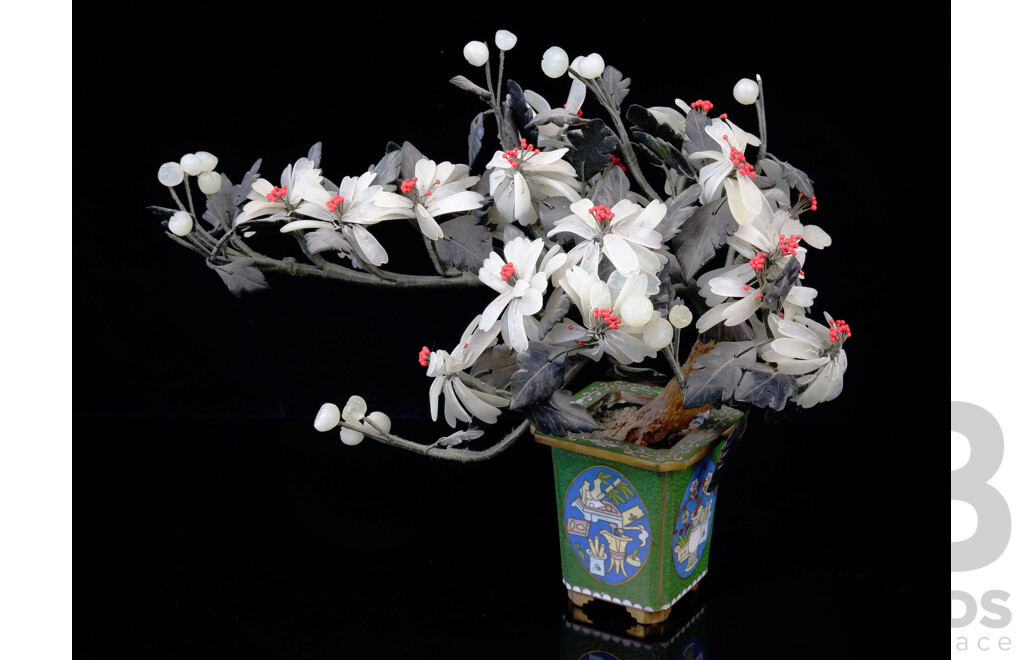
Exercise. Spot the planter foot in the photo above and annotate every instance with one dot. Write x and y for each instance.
(646, 623)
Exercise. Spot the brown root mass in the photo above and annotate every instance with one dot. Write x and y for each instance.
(664, 415)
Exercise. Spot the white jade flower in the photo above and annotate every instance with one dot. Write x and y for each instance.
(346, 210)
(521, 176)
(461, 400)
(740, 288)
(520, 285)
(811, 352)
(625, 233)
(435, 190)
(600, 304)
(745, 200)
(269, 203)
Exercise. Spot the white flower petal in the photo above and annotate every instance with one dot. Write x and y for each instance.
(494, 309)
(621, 254)
(427, 224)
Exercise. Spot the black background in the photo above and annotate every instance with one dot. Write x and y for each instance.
(212, 520)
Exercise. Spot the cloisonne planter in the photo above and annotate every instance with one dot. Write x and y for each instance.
(635, 522)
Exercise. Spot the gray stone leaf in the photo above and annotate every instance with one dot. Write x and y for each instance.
(717, 373)
(465, 244)
(464, 83)
(459, 437)
(614, 187)
(797, 179)
(618, 86)
(496, 366)
(241, 276)
(555, 310)
(702, 234)
(764, 387)
(541, 373)
(476, 137)
(561, 415)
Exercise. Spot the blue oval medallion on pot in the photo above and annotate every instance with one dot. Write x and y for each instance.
(693, 522)
(607, 524)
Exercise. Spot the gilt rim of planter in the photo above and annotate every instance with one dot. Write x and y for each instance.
(689, 450)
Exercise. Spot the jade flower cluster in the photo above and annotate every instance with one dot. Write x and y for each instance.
(606, 233)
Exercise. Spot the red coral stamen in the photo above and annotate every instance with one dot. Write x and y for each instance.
(424, 356)
(601, 212)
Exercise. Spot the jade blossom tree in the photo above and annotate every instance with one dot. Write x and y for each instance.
(590, 261)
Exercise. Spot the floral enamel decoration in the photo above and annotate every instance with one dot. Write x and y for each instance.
(593, 254)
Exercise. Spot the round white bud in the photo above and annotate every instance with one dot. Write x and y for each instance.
(350, 437)
(180, 223)
(505, 40)
(680, 316)
(592, 66)
(209, 182)
(576, 64)
(636, 310)
(192, 164)
(380, 419)
(354, 410)
(555, 62)
(475, 53)
(327, 417)
(209, 160)
(745, 91)
(170, 174)
(658, 333)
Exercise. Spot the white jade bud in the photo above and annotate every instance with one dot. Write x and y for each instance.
(209, 182)
(180, 223)
(592, 66)
(209, 160)
(658, 333)
(475, 53)
(354, 410)
(350, 437)
(745, 91)
(380, 419)
(327, 417)
(636, 310)
(170, 174)
(505, 40)
(576, 64)
(680, 316)
(192, 164)
(555, 62)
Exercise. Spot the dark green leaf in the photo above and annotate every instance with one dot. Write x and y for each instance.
(697, 139)
(648, 123)
(515, 100)
(716, 374)
(617, 86)
(465, 244)
(764, 387)
(560, 415)
(702, 234)
(592, 146)
(241, 276)
(541, 373)
(664, 151)
(555, 310)
(776, 292)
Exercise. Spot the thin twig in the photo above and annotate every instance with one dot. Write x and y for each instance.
(674, 363)
(456, 455)
(762, 124)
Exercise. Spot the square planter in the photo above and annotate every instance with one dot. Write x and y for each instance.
(635, 522)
